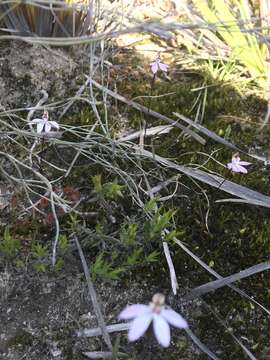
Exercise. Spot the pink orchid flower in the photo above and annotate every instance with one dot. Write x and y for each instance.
(142, 316)
(44, 125)
(237, 165)
(157, 64)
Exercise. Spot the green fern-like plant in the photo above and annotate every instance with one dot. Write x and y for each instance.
(40, 255)
(9, 245)
(160, 220)
(104, 269)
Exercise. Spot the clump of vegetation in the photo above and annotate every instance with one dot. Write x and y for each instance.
(134, 177)
(64, 18)
(244, 46)
(9, 245)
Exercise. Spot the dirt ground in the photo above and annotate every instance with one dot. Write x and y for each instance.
(41, 314)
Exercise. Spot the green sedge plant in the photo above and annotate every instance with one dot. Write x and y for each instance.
(232, 22)
(51, 19)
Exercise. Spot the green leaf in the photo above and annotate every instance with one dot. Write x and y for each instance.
(9, 246)
(151, 205)
(128, 234)
(152, 257)
(159, 222)
(135, 257)
(63, 244)
(39, 251)
(97, 183)
(59, 264)
(104, 270)
(174, 234)
(113, 190)
(40, 266)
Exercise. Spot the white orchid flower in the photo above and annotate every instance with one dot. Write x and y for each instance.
(237, 165)
(158, 65)
(44, 125)
(142, 316)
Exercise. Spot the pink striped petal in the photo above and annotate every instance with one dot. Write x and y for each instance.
(132, 311)
(161, 330)
(154, 67)
(174, 318)
(139, 326)
(163, 67)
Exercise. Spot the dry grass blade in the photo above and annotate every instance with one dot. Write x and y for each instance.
(245, 349)
(200, 345)
(73, 99)
(229, 331)
(102, 354)
(157, 130)
(207, 132)
(109, 328)
(173, 278)
(214, 285)
(78, 40)
(125, 326)
(266, 118)
(5, 195)
(162, 185)
(214, 273)
(93, 296)
(216, 137)
(237, 201)
(250, 196)
(148, 111)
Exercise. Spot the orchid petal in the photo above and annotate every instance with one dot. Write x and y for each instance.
(40, 126)
(235, 168)
(245, 163)
(35, 121)
(154, 67)
(133, 311)
(174, 318)
(161, 330)
(240, 169)
(54, 124)
(163, 67)
(47, 127)
(139, 326)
